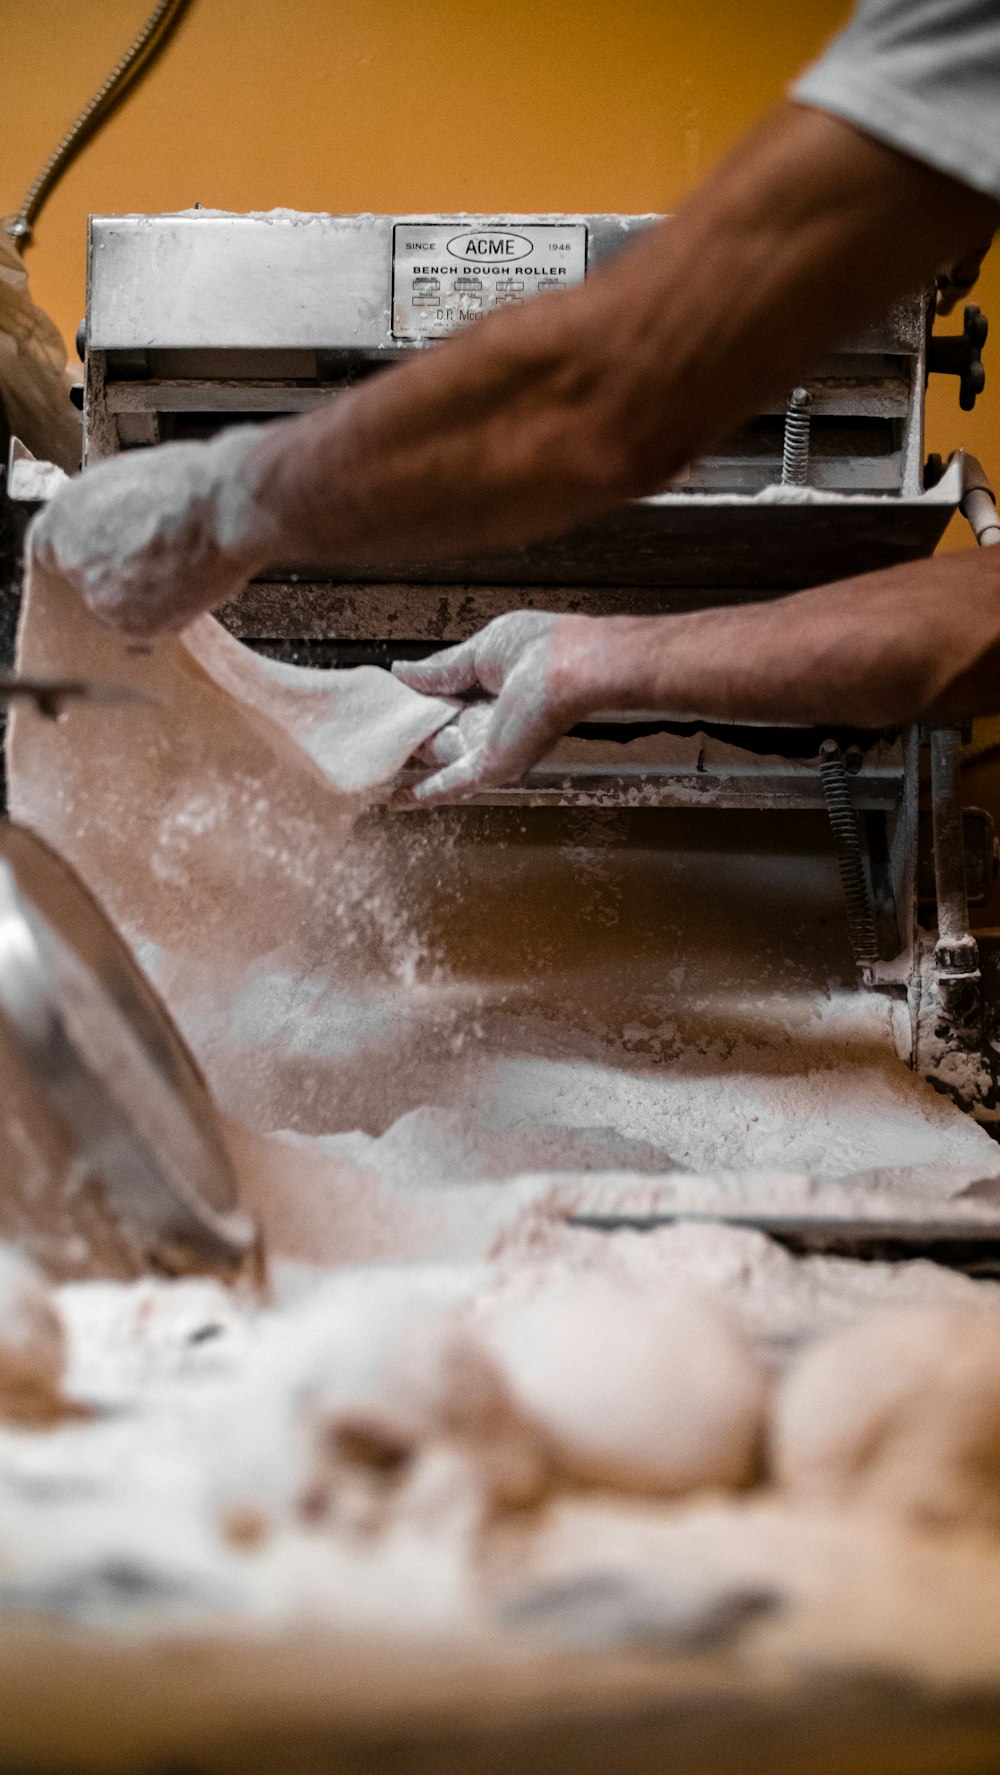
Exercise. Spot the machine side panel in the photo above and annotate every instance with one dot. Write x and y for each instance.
(239, 282)
(680, 540)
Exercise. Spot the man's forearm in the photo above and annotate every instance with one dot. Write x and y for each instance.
(542, 416)
(914, 641)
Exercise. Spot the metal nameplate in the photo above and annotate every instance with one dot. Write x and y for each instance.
(447, 273)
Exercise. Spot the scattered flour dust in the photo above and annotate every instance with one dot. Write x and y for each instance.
(431, 1035)
(469, 994)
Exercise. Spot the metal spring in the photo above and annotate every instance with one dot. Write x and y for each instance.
(795, 450)
(850, 861)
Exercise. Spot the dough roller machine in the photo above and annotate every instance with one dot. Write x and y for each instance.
(203, 319)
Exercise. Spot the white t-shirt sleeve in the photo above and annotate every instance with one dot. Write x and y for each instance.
(922, 75)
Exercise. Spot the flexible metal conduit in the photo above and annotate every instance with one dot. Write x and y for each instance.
(127, 72)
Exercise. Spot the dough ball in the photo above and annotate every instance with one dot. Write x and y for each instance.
(348, 1392)
(437, 1386)
(637, 1392)
(901, 1412)
(32, 1343)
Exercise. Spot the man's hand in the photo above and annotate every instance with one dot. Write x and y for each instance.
(871, 652)
(527, 661)
(155, 537)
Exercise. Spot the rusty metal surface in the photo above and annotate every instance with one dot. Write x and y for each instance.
(676, 542)
(651, 559)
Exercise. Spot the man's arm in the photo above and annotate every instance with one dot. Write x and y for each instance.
(911, 641)
(542, 416)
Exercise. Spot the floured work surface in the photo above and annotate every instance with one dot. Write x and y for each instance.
(458, 1020)
(136, 1634)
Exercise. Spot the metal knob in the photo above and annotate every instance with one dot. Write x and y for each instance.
(961, 355)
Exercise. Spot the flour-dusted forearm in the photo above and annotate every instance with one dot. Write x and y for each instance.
(542, 416)
(916, 640)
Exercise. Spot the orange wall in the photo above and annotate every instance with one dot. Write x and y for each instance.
(432, 104)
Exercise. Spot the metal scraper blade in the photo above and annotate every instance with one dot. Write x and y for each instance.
(111, 1067)
(965, 1243)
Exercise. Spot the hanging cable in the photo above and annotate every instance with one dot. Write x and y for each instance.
(131, 68)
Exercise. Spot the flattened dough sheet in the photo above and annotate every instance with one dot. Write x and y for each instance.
(203, 820)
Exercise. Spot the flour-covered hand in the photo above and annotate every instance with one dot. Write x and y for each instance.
(525, 660)
(156, 536)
